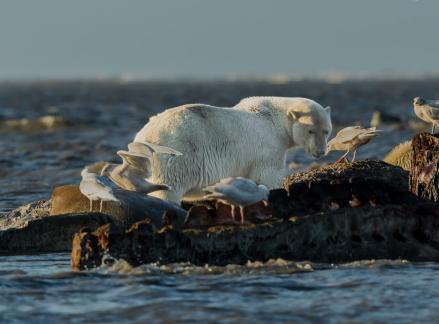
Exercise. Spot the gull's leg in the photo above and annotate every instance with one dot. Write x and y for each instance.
(241, 212)
(353, 156)
(342, 157)
(432, 129)
(265, 203)
(91, 204)
(233, 211)
(100, 206)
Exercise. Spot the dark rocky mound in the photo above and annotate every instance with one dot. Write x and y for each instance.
(341, 212)
(49, 226)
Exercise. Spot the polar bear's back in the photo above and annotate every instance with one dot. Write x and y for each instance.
(178, 127)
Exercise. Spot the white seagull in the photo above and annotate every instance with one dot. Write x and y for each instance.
(427, 110)
(350, 139)
(132, 174)
(96, 187)
(239, 192)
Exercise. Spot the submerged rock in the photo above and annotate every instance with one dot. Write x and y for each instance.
(48, 122)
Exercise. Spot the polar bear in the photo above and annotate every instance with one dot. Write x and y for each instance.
(248, 140)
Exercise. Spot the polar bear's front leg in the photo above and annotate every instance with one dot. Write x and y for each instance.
(173, 196)
(271, 177)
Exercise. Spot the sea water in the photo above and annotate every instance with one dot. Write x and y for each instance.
(95, 119)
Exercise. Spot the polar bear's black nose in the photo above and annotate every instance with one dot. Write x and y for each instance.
(319, 153)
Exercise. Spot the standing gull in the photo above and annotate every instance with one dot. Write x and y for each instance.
(350, 139)
(239, 192)
(427, 110)
(96, 187)
(132, 174)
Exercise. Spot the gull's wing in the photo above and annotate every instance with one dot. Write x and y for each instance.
(369, 133)
(431, 111)
(106, 182)
(237, 189)
(348, 134)
(153, 148)
(138, 161)
(98, 186)
(136, 147)
(246, 185)
(432, 103)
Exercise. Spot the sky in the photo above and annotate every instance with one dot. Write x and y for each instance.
(211, 39)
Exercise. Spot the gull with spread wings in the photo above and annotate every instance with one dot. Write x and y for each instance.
(133, 173)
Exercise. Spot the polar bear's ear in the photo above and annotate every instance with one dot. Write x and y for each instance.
(328, 110)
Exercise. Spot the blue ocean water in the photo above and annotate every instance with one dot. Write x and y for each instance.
(41, 288)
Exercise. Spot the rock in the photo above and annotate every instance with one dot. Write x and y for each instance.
(342, 212)
(424, 173)
(48, 122)
(341, 184)
(401, 155)
(48, 234)
(30, 229)
(390, 232)
(134, 206)
(22, 215)
(382, 119)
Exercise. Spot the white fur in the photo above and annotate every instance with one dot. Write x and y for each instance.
(249, 140)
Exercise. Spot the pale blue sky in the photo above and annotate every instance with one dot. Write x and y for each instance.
(184, 38)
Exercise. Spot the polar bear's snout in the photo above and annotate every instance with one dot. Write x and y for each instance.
(318, 154)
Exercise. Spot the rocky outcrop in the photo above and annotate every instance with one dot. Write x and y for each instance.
(133, 206)
(49, 234)
(341, 212)
(48, 226)
(424, 173)
(22, 215)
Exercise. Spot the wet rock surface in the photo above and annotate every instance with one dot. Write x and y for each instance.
(133, 206)
(344, 185)
(424, 175)
(49, 226)
(338, 213)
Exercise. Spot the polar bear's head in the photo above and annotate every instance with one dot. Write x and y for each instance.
(311, 126)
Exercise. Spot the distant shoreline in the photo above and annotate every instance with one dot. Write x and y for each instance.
(272, 79)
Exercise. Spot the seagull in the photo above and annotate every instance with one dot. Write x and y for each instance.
(132, 174)
(350, 139)
(427, 110)
(96, 187)
(239, 192)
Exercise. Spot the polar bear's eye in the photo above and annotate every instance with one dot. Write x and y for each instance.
(311, 132)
